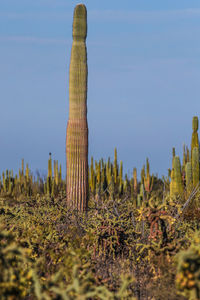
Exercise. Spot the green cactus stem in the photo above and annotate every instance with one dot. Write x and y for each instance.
(108, 172)
(187, 154)
(176, 184)
(184, 158)
(195, 166)
(103, 177)
(22, 167)
(173, 152)
(115, 169)
(60, 175)
(49, 176)
(140, 196)
(98, 181)
(142, 174)
(121, 178)
(148, 180)
(195, 138)
(50, 166)
(56, 173)
(188, 176)
(27, 172)
(92, 177)
(135, 180)
(77, 127)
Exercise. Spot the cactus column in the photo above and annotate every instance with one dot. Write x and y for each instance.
(77, 127)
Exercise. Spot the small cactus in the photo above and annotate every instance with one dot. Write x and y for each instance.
(188, 175)
(195, 166)
(135, 184)
(176, 185)
(115, 169)
(195, 138)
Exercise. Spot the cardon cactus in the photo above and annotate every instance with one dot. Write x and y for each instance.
(92, 177)
(195, 166)
(115, 167)
(188, 176)
(195, 138)
(148, 180)
(135, 180)
(121, 178)
(176, 185)
(77, 127)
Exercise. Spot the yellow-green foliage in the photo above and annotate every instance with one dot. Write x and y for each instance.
(188, 270)
(77, 255)
(15, 275)
(57, 262)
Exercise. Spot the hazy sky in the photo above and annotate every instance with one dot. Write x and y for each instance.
(143, 80)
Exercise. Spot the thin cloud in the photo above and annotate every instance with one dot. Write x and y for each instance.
(110, 15)
(31, 39)
(138, 16)
(36, 15)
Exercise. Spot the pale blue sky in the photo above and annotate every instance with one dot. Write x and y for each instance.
(143, 81)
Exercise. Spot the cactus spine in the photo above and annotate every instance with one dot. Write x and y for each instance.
(77, 127)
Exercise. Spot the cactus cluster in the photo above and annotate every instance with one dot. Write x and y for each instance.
(106, 179)
(21, 184)
(26, 185)
(53, 184)
(185, 177)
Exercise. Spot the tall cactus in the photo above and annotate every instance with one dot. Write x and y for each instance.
(77, 127)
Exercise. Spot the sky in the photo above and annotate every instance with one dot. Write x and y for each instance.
(143, 80)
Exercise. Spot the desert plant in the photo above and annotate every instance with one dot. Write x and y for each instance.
(195, 166)
(77, 127)
(188, 270)
(195, 138)
(176, 185)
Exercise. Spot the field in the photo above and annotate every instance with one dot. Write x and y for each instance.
(136, 239)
